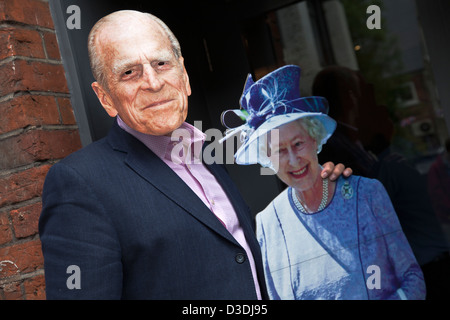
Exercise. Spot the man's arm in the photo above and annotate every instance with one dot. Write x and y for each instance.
(82, 257)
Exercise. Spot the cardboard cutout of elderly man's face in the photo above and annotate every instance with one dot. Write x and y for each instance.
(147, 85)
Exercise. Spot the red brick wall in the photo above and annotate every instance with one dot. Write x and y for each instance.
(37, 128)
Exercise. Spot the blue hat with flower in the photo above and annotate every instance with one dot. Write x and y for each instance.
(271, 102)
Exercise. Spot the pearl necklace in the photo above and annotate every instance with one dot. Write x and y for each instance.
(323, 202)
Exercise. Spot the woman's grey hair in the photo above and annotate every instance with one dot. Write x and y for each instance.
(96, 62)
(312, 125)
(315, 129)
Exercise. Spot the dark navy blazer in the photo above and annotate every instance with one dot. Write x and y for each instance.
(135, 230)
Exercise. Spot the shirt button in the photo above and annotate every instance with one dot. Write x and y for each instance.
(240, 258)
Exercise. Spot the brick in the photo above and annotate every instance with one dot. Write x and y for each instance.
(12, 290)
(8, 268)
(21, 258)
(22, 75)
(22, 186)
(51, 46)
(37, 145)
(28, 110)
(5, 228)
(32, 12)
(20, 42)
(25, 220)
(66, 111)
(35, 288)
(57, 144)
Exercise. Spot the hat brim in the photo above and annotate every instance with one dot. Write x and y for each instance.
(249, 152)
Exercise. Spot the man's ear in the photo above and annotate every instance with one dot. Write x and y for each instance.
(104, 99)
(186, 77)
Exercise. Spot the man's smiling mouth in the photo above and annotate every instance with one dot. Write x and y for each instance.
(158, 103)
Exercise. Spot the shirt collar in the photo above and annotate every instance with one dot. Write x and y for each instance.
(185, 140)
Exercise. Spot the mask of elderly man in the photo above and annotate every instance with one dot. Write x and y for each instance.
(319, 239)
(141, 78)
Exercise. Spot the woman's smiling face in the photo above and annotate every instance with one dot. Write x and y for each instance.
(296, 154)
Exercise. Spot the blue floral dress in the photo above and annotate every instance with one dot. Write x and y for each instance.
(353, 249)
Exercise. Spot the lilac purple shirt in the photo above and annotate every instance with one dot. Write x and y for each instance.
(183, 156)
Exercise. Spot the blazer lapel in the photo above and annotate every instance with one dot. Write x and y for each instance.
(150, 167)
(239, 204)
(245, 219)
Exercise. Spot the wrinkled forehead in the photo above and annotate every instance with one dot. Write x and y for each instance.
(134, 39)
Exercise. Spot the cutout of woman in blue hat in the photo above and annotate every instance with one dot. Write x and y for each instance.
(319, 239)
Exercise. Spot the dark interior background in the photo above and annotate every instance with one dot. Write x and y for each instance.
(224, 40)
